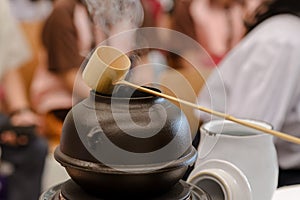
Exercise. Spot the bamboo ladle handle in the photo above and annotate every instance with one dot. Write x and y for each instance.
(108, 66)
(278, 134)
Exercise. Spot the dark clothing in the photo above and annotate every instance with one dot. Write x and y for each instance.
(60, 38)
(28, 162)
(288, 177)
(60, 114)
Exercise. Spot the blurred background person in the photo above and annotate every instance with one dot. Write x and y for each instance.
(25, 151)
(30, 15)
(261, 75)
(218, 25)
(67, 38)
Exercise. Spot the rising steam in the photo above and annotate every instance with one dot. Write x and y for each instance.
(109, 14)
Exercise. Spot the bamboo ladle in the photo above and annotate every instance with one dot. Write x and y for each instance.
(108, 66)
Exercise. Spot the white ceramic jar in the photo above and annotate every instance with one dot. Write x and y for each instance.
(235, 162)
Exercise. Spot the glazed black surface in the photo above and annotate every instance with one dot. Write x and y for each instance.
(96, 111)
(129, 143)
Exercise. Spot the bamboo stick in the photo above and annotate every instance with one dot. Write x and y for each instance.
(275, 133)
(108, 66)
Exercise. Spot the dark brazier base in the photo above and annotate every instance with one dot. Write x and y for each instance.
(69, 190)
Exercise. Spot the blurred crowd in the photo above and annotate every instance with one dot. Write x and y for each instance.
(44, 44)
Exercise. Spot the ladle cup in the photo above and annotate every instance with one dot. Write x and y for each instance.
(108, 67)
